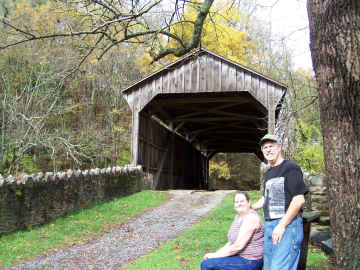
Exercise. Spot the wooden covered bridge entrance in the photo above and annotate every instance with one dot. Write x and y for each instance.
(203, 104)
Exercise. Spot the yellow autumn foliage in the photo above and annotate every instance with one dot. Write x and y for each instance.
(219, 169)
(221, 34)
(44, 19)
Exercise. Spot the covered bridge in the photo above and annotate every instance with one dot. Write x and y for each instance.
(200, 105)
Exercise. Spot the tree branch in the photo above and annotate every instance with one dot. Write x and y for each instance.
(133, 25)
(196, 37)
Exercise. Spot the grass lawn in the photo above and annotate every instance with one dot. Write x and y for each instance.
(187, 251)
(76, 227)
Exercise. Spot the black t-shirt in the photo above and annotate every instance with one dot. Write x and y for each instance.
(281, 184)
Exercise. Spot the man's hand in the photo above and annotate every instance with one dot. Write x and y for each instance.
(278, 233)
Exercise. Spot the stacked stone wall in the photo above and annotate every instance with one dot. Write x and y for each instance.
(318, 199)
(38, 199)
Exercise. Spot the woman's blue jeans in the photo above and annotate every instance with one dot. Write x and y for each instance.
(231, 263)
(286, 254)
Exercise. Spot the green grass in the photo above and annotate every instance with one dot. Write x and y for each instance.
(317, 259)
(187, 251)
(76, 227)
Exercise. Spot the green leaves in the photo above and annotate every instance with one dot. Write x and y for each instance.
(310, 155)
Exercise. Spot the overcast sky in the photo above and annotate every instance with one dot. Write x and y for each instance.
(287, 17)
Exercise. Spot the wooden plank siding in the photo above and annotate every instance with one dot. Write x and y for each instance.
(240, 80)
(215, 75)
(201, 74)
(187, 79)
(198, 95)
(161, 150)
(205, 74)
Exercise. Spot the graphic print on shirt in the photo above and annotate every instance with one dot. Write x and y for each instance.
(275, 197)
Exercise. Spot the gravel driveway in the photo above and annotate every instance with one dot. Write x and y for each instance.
(136, 237)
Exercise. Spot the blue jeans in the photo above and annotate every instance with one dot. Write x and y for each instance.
(231, 263)
(286, 254)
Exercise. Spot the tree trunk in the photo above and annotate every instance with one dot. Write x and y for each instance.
(335, 49)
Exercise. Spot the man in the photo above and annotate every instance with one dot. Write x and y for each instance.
(283, 199)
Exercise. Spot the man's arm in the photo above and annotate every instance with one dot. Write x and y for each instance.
(259, 204)
(295, 205)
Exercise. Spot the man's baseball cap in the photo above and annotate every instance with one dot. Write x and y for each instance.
(269, 138)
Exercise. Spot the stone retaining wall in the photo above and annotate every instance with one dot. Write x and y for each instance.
(318, 200)
(38, 199)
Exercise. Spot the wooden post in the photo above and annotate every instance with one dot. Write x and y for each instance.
(308, 217)
(171, 156)
(135, 138)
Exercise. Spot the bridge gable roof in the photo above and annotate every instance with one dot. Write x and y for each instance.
(211, 101)
(205, 71)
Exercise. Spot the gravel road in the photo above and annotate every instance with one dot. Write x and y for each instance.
(137, 237)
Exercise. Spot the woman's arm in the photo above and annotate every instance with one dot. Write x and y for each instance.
(212, 254)
(247, 229)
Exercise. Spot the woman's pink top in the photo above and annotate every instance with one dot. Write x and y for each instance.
(255, 247)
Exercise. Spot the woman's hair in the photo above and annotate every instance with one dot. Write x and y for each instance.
(242, 193)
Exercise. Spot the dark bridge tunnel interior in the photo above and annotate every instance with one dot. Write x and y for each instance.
(228, 122)
(194, 108)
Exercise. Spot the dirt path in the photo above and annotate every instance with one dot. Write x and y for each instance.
(136, 237)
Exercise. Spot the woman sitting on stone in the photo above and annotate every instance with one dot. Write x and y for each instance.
(244, 249)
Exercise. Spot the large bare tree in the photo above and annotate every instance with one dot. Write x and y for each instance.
(335, 48)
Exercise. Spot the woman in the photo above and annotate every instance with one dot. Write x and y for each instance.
(244, 249)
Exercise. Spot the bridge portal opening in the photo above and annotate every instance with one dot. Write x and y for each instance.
(201, 105)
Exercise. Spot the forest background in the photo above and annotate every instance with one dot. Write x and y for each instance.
(61, 101)
(63, 65)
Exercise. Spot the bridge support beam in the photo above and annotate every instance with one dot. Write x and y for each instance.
(169, 159)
